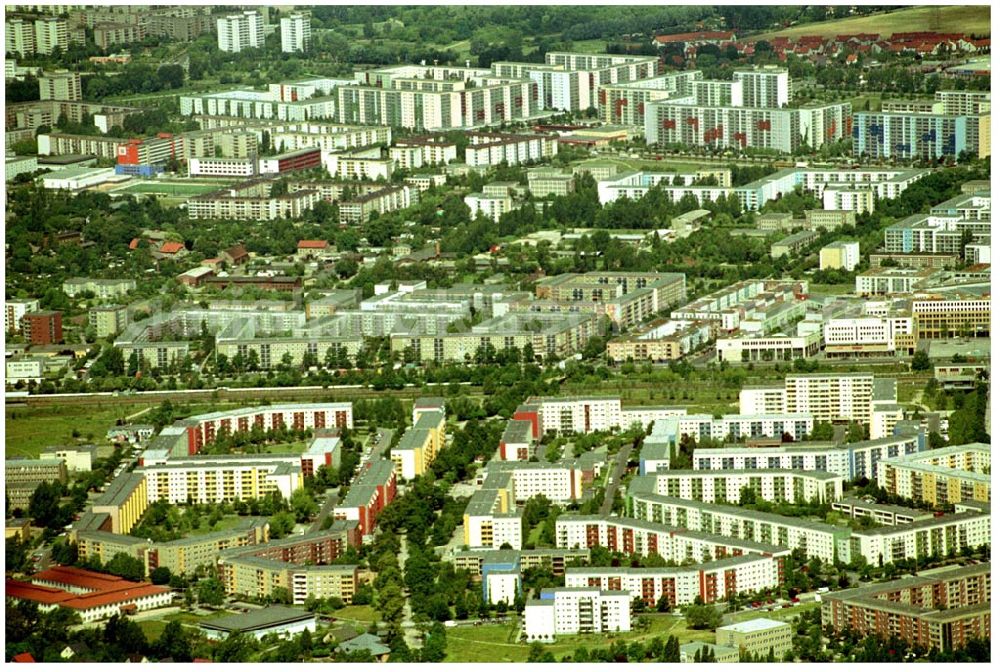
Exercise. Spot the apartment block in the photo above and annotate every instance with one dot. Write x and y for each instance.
(920, 136)
(673, 544)
(372, 490)
(850, 461)
(942, 610)
(296, 33)
(299, 565)
(819, 540)
(629, 298)
(625, 103)
(107, 320)
(60, 85)
(574, 611)
(728, 486)
(941, 535)
(124, 502)
(944, 476)
(43, 327)
(251, 201)
(490, 149)
(435, 98)
(714, 581)
(419, 445)
(661, 340)
(360, 209)
(14, 311)
(22, 476)
(237, 32)
(844, 255)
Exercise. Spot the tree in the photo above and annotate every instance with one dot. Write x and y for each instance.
(703, 617)
(282, 524)
(920, 361)
(160, 576)
(174, 643)
(211, 591)
(127, 567)
(303, 505)
(236, 648)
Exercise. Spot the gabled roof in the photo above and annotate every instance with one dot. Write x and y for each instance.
(313, 244)
(23, 658)
(171, 248)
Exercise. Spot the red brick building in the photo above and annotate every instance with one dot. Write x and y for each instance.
(43, 327)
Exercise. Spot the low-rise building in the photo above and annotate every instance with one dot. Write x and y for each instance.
(285, 622)
(793, 244)
(760, 637)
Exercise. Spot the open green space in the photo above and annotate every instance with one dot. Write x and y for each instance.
(498, 643)
(29, 430)
(357, 613)
(830, 290)
(942, 19)
(293, 447)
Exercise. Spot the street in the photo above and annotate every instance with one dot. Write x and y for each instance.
(621, 463)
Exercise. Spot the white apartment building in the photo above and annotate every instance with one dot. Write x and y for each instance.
(942, 536)
(418, 152)
(14, 311)
(712, 581)
(237, 32)
(502, 586)
(850, 461)
(578, 415)
(878, 281)
(491, 149)
(770, 485)
(19, 37)
(365, 165)
(746, 347)
(819, 540)
(560, 482)
(643, 537)
(764, 86)
(212, 479)
(830, 397)
(222, 167)
(296, 33)
(51, 32)
(62, 85)
(573, 611)
(757, 400)
(491, 207)
(859, 199)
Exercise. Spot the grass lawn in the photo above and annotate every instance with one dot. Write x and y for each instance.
(830, 290)
(227, 523)
(590, 46)
(293, 447)
(779, 615)
(30, 429)
(498, 643)
(944, 19)
(360, 613)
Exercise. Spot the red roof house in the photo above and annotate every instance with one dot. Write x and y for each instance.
(23, 658)
(171, 247)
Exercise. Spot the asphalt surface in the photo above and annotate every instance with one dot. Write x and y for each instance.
(621, 462)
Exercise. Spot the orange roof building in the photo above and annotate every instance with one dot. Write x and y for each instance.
(171, 248)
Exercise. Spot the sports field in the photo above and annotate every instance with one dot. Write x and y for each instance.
(943, 19)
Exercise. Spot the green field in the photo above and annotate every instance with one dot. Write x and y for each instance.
(28, 430)
(169, 188)
(498, 643)
(361, 613)
(944, 19)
